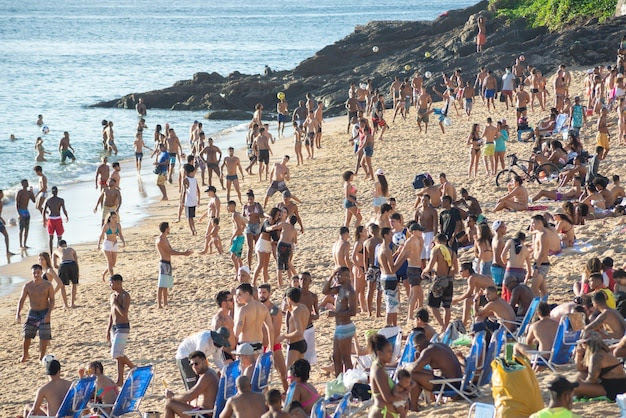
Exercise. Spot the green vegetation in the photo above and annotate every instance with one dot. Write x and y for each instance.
(554, 13)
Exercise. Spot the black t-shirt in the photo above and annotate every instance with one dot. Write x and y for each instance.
(448, 219)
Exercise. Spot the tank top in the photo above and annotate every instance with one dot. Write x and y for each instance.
(191, 197)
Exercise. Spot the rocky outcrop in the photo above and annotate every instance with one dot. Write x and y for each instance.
(441, 45)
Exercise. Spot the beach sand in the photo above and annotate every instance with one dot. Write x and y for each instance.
(79, 334)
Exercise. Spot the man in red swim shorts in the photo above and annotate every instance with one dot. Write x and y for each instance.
(52, 216)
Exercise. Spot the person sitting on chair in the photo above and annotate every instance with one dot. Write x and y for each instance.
(52, 392)
(245, 403)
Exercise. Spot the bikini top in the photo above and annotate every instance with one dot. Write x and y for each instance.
(314, 395)
(109, 231)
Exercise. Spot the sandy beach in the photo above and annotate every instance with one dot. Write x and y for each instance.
(79, 334)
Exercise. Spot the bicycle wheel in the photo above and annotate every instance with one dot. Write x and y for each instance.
(547, 173)
(505, 176)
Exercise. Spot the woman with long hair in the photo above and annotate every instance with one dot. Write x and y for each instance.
(349, 200)
(111, 230)
(475, 141)
(358, 266)
(483, 251)
(380, 382)
(263, 247)
(50, 275)
(592, 266)
(381, 190)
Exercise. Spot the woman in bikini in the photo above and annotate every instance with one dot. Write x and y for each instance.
(592, 266)
(253, 211)
(565, 228)
(41, 152)
(106, 390)
(51, 276)
(381, 190)
(380, 382)
(304, 392)
(358, 265)
(349, 200)
(483, 251)
(474, 139)
(263, 247)
(111, 230)
(601, 373)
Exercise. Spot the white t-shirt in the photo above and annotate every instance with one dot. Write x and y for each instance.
(508, 81)
(201, 341)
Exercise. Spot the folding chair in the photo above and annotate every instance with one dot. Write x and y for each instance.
(342, 408)
(225, 389)
(448, 335)
(522, 326)
(394, 336)
(408, 353)
(467, 388)
(564, 343)
(481, 410)
(319, 409)
(130, 396)
(262, 372)
(289, 396)
(76, 398)
(493, 351)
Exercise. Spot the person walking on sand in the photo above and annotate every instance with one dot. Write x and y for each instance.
(110, 199)
(166, 252)
(21, 205)
(68, 269)
(119, 326)
(108, 239)
(349, 201)
(40, 294)
(191, 196)
(52, 216)
(232, 162)
(237, 239)
(139, 145)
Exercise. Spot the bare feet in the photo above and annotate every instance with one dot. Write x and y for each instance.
(24, 358)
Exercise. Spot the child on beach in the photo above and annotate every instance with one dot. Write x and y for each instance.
(405, 384)
(212, 238)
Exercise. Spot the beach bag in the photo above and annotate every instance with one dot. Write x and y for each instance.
(361, 391)
(335, 388)
(514, 388)
(418, 181)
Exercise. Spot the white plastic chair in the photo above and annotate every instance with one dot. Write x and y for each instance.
(481, 410)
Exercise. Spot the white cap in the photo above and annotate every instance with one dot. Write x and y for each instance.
(244, 349)
(496, 225)
(244, 268)
(380, 172)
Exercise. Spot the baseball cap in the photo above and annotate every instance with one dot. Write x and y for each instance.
(244, 349)
(53, 367)
(245, 269)
(416, 227)
(220, 337)
(380, 172)
(497, 224)
(561, 385)
(286, 193)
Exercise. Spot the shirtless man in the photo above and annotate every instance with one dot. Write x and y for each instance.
(273, 400)
(68, 268)
(224, 317)
(140, 107)
(522, 98)
(110, 138)
(341, 249)
(115, 175)
(311, 126)
(52, 216)
(388, 278)
(518, 71)
(309, 299)
(175, 151)
(372, 274)
(428, 218)
(497, 244)
(52, 392)
(42, 194)
(433, 191)
(279, 175)
(41, 298)
(443, 264)
(232, 162)
(252, 319)
(468, 99)
(498, 308)
(470, 203)
(165, 250)
(540, 334)
(517, 258)
(65, 147)
(412, 252)
(319, 116)
(535, 81)
(283, 115)
(3, 229)
(22, 199)
(119, 326)
(296, 324)
(521, 297)
(110, 199)
(609, 322)
(210, 156)
(546, 242)
(245, 403)
(516, 199)
(490, 85)
(560, 90)
(284, 250)
(423, 104)
(474, 295)
(345, 308)
(395, 91)
(447, 188)
(416, 84)
(261, 142)
(480, 81)
(292, 208)
(204, 391)
(138, 145)
(265, 294)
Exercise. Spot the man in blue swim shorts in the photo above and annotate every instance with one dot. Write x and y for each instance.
(345, 308)
(21, 203)
(237, 239)
(166, 252)
(490, 85)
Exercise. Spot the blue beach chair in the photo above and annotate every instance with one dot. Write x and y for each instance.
(342, 408)
(262, 372)
(493, 351)
(130, 396)
(562, 348)
(523, 326)
(226, 387)
(481, 410)
(319, 409)
(76, 398)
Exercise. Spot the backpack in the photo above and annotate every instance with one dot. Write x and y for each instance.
(418, 181)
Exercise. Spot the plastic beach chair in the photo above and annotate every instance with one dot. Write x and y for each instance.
(562, 348)
(342, 408)
(408, 352)
(319, 409)
(262, 372)
(467, 388)
(522, 326)
(76, 398)
(226, 387)
(130, 396)
(493, 351)
(481, 410)
(289, 396)
(394, 336)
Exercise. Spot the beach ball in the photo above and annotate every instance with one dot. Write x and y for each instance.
(398, 239)
(407, 67)
(47, 359)
(281, 95)
(427, 54)
(12, 221)
(375, 49)
(522, 58)
(447, 122)
(428, 74)
(45, 129)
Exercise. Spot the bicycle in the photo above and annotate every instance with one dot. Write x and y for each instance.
(543, 173)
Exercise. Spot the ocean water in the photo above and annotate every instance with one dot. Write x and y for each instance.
(59, 57)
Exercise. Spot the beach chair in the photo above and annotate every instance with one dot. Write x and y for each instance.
(481, 410)
(394, 336)
(289, 396)
(560, 127)
(564, 343)
(467, 388)
(76, 398)
(448, 335)
(435, 338)
(493, 350)
(130, 396)
(343, 406)
(408, 353)
(262, 372)
(319, 409)
(225, 388)
(518, 335)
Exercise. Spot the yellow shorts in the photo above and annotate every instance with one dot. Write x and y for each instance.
(602, 140)
(489, 150)
(161, 178)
